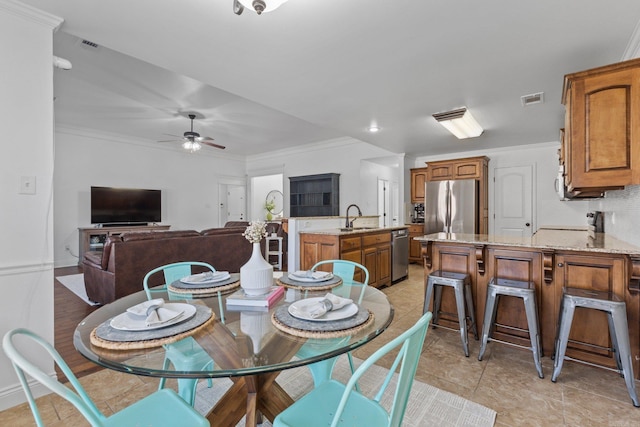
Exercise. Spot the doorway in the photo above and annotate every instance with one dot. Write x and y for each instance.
(233, 203)
(513, 190)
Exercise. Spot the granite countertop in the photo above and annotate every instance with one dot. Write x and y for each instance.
(355, 231)
(573, 240)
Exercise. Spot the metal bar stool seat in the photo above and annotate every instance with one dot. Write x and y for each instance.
(461, 285)
(514, 288)
(616, 311)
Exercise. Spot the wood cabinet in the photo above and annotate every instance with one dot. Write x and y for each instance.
(467, 168)
(589, 339)
(601, 146)
(371, 249)
(550, 270)
(415, 255)
(93, 238)
(418, 179)
(376, 257)
(314, 195)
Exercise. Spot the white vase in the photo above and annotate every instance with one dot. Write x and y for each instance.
(256, 276)
(255, 325)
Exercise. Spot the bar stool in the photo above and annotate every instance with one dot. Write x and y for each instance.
(618, 329)
(514, 288)
(461, 285)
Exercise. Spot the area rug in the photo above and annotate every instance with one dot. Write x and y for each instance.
(428, 405)
(75, 283)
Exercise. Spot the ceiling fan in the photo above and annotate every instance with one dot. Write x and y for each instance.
(192, 141)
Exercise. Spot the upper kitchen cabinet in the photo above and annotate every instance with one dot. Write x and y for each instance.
(418, 178)
(468, 168)
(601, 144)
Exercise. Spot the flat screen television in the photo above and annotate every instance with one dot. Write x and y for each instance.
(113, 206)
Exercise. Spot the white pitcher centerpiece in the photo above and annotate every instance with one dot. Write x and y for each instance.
(256, 276)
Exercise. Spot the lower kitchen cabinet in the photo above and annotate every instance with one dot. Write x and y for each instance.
(371, 249)
(415, 249)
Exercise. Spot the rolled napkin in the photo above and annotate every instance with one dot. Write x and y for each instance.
(310, 274)
(329, 303)
(155, 311)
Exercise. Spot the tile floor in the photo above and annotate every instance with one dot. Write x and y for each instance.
(505, 380)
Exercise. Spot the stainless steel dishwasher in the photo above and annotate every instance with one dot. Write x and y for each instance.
(399, 255)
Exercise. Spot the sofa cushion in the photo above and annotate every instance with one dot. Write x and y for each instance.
(244, 224)
(148, 235)
(222, 230)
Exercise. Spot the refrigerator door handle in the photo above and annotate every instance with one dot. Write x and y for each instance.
(447, 225)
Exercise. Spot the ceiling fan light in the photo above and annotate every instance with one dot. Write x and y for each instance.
(260, 6)
(195, 146)
(186, 145)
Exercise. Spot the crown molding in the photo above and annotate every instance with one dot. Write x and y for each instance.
(307, 148)
(32, 14)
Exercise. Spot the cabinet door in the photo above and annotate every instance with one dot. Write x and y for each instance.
(314, 248)
(370, 261)
(589, 339)
(418, 178)
(604, 125)
(440, 171)
(383, 255)
(458, 259)
(511, 321)
(467, 170)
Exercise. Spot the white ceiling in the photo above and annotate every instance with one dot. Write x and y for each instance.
(319, 69)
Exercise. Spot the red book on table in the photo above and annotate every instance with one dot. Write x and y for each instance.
(240, 298)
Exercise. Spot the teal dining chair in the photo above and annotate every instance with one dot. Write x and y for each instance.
(336, 404)
(346, 270)
(186, 354)
(163, 408)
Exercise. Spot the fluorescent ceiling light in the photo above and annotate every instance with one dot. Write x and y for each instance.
(459, 122)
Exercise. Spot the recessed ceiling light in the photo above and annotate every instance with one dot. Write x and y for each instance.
(373, 128)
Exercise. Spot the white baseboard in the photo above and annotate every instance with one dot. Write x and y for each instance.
(14, 394)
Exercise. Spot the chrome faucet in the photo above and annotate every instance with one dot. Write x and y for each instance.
(349, 224)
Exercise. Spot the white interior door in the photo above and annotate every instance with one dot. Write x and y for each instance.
(236, 203)
(513, 190)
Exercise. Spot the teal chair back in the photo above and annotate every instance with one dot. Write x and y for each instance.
(186, 354)
(333, 403)
(163, 408)
(346, 270)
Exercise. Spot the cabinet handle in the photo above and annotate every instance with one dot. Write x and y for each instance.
(560, 264)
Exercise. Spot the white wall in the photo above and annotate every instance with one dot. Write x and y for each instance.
(189, 182)
(548, 209)
(341, 156)
(260, 187)
(26, 115)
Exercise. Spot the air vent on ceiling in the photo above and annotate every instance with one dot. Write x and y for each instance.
(534, 98)
(90, 44)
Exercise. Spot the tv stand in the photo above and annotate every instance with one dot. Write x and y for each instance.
(93, 238)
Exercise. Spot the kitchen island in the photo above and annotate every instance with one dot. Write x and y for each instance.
(369, 246)
(551, 259)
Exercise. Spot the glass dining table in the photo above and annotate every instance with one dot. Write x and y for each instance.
(245, 345)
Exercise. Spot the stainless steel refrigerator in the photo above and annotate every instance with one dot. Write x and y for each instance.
(451, 206)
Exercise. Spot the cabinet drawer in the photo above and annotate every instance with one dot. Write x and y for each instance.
(374, 239)
(349, 243)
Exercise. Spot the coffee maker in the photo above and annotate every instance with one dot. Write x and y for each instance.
(418, 213)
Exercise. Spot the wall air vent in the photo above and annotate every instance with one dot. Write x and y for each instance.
(534, 98)
(88, 43)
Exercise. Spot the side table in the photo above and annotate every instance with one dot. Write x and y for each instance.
(269, 251)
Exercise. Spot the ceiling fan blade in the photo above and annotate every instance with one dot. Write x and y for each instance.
(211, 144)
(170, 140)
(176, 136)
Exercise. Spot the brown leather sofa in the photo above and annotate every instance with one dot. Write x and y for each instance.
(120, 268)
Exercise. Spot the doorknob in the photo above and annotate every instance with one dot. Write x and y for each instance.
(527, 224)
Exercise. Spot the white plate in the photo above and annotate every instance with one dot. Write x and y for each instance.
(321, 276)
(204, 278)
(130, 322)
(300, 310)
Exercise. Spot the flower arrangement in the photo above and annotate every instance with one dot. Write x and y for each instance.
(269, 206)
(255, 231)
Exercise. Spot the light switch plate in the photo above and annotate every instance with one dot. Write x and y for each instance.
(27, 185)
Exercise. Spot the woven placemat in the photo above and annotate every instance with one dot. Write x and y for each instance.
(105, 336)
(204, 292)
(287, 282)
(285, 322)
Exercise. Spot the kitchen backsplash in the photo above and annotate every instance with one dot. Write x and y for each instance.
(621, 213)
